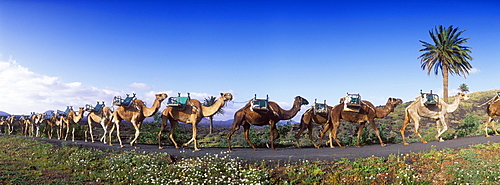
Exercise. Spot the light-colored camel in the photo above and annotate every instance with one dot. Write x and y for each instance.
(192, 114)
(70, 121)
(367, 114)
(492, 110)
(416, 110)
(246, 116)
(102, 117)
(306, 121)
(10, 123)
(135, 113)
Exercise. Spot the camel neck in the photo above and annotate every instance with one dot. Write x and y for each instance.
(148, 112)
(452, 107)
(213, 109)
(289, 114)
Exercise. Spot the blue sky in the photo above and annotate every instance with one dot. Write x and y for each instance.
(59, 53)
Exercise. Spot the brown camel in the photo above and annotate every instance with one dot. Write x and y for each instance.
(51, 121)
(492, 110)
(135, 113)
(102, 116)
(309, 117)
(70, 121)
(438, 112)
(367, 113)
(246, 116)
(192, 114)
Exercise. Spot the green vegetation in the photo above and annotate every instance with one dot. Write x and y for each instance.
(28, 161)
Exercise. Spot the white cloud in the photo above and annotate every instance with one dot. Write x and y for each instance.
(474, 71)
(24, 91)
(141, 86)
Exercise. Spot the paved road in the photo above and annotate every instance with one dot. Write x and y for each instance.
(294, 154)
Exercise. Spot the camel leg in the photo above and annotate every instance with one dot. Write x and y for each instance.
(360, 130)
(105, 129)
(118, 134)
(234, 128)
(137, 127)
(162, 126)
(110, 135)
(173, 127)
(73, 133)
(273, 133)
(297, 136)
(493, 127)
(444, 127)
(333, 132)
(193, 139)
(403, 128)
(321, 135)
(372, 122)
(246, 128)
(309, 132)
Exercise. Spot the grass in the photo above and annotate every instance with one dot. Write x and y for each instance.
(28, 161)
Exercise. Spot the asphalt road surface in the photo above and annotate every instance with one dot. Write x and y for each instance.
(293, 153)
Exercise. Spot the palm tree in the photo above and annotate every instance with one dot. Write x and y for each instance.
(446, 55)
(207, 103)
(464, 88)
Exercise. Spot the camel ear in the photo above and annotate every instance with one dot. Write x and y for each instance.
(221, 94)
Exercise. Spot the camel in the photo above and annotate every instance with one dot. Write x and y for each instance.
(493, 109)
(10, 123)
(438, 112)
(367, 114)
(101, 116)
(192, 114)
(52, 121)
(246, 116)
(135, 113)
(70, 120)
(306, 121)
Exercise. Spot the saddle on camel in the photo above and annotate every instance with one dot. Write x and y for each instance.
(179, 102)
(259, 105)
(352, 102)
(118, 101)
(429, 98)
(97, 108)
(320, 108)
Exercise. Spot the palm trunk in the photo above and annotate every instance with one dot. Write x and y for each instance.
(445, 84)
(211, 124)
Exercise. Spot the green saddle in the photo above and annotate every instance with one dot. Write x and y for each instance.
(260, 104)
(179, 101)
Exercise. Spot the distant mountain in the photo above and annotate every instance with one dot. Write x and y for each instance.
(4, 114)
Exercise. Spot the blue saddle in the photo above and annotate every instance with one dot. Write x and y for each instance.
(320, 108)
(117, 100)
(260, 104)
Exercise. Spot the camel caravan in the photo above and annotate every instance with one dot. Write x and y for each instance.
(257, 111)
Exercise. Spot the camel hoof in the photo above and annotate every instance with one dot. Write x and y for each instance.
(255, 149)
(441, 140)
(93, 141)
(197, 149)
(185, 144)
(406, 143)
(111, 144)
(122, 146)
(332, 147)
(342, 147)
(176, 147)
(383, 145)
(137, 147)
(160, 147)
(358, 146)
(487, 136)
(497, 134)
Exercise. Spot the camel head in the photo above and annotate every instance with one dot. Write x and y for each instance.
(161, 97)
(226, 96)
(395, 101)
(462, 96)
(303, 101)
